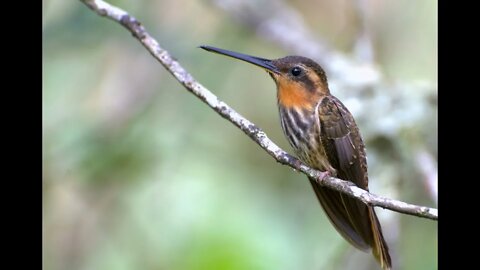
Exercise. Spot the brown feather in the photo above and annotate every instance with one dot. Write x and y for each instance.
(345, 151)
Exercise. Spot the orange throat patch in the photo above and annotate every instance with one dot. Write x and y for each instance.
(292, 94)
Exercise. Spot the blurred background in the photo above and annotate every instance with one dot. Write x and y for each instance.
(139, 174)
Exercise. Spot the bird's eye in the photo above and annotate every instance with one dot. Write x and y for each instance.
(296, 71)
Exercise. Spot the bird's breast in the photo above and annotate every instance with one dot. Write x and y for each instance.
(302, 130)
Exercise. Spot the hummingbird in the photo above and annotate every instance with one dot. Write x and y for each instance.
(324, 135)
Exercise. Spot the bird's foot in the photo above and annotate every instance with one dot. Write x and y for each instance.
(323, 175)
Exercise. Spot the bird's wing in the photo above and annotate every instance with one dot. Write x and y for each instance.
(342, 142)
(346, 154)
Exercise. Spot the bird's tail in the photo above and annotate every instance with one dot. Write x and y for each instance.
(355, 221)
(379, 247)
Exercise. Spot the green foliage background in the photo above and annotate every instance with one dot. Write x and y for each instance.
(138, 174)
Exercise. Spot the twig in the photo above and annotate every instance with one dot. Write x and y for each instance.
(427, 166)
(282, 19)
(255, 133)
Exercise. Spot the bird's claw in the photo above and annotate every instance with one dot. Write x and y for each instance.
(323, 175)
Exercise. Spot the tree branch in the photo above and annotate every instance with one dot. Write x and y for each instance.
(256, 134)
(282, 19)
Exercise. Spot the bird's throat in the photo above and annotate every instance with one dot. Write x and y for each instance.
(292, 94)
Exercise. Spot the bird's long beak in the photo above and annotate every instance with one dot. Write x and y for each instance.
(261, 62)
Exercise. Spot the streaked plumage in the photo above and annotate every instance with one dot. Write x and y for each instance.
(324, 135)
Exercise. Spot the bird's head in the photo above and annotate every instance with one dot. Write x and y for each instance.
(300, 80)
